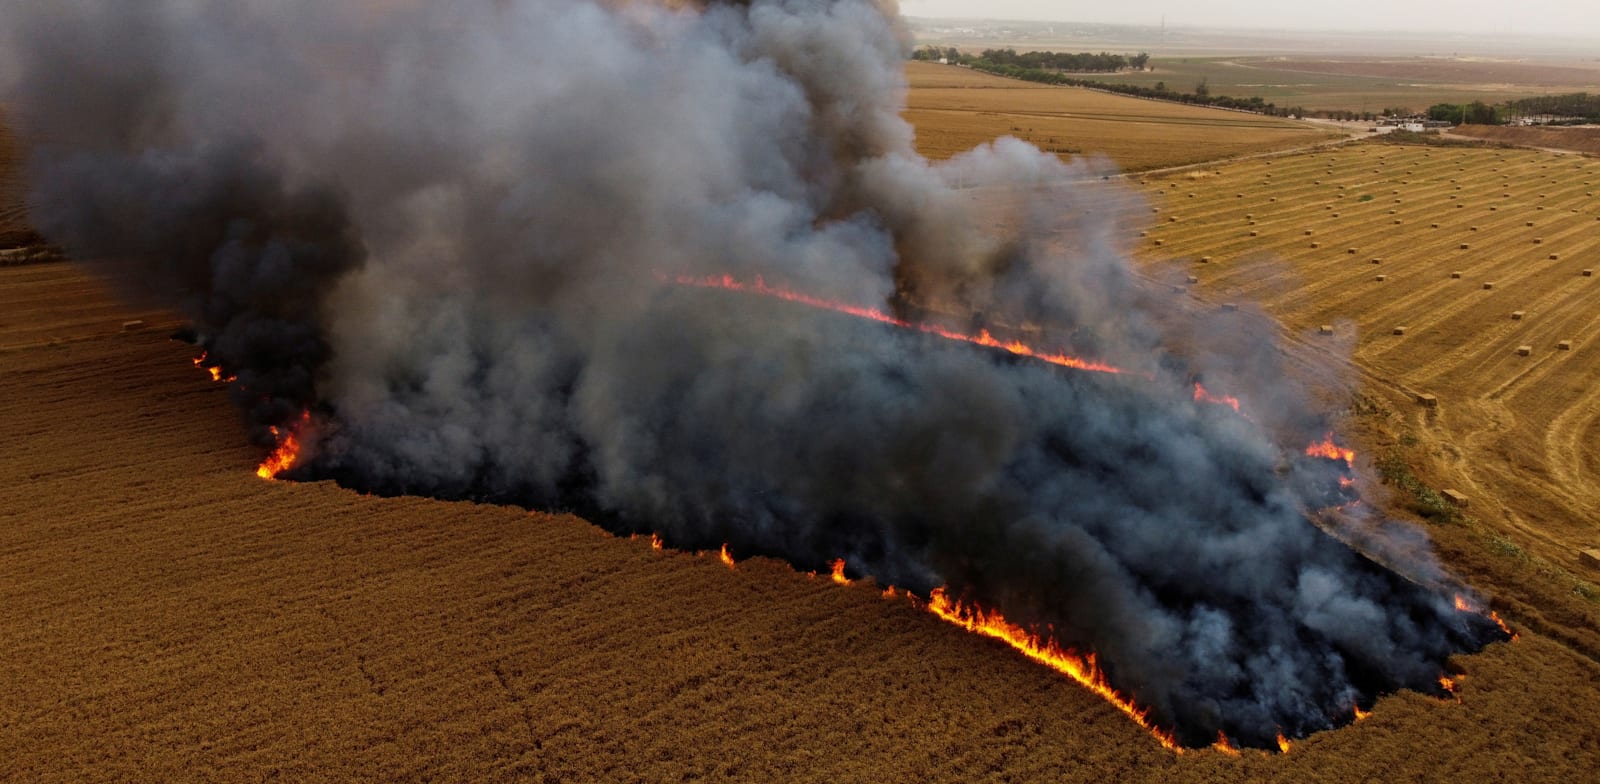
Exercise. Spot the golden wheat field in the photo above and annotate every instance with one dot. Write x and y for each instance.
(170, 617)
(955, 109)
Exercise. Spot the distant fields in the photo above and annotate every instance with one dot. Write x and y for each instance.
(1366, 84)
(955, 109)
(1298, 234)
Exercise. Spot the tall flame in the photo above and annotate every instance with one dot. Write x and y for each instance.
(1283, 743)
(1081, 669)
(838, 572)
(727, 557)
(983, 338)
(1332, 451)
(287, 451)
(1224, 746)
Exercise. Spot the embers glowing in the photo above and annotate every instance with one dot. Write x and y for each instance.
(288, 450)
(983, 338)
(214, 370)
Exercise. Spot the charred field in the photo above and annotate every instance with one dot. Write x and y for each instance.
(171, 616)
(962, 387)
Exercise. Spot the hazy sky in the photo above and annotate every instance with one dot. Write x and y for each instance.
(1575, 18)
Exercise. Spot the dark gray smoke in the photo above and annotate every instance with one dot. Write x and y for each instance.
(450, 231)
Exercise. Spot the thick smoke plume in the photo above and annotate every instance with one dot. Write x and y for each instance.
(450, 231)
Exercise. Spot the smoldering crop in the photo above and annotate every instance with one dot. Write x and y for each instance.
(450, 233)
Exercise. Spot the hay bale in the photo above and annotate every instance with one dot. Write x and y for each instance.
(1433, 225)
(1377, 261)
(1455, 498)
(1427, 401)
(1589, 558)
(1316, 245)
(1144, 233)
(1555, 257)
(1588, 273)
(1172, 219)
(1400, 330)
(1325, 329)
(1488, 286)
(1516, 315)
(1472, 228)
(132, 326)
(1308, 232)
(1351, 251)
(1465, 246)
(1530, 224)
(1455, 274)
(1564, 345)
(1538, 240)
(1381, 278)
(1191, 280)
(1255, 233)
(1229, 307)
(1523, 351)
(1159, 243)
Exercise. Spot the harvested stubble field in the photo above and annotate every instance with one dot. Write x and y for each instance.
(170, 617)
(955, 109)
(1463, 238)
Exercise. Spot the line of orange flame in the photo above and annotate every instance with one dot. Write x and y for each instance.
(1224, 746)
(1080, 668)
(1462, 605)
(983, 338)
(1202, 396)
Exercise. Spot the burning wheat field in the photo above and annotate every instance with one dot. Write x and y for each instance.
(680, 272)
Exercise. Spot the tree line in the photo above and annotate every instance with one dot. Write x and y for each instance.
(1081, 62)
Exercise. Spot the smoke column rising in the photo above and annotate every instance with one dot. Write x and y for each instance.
(445, 230)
